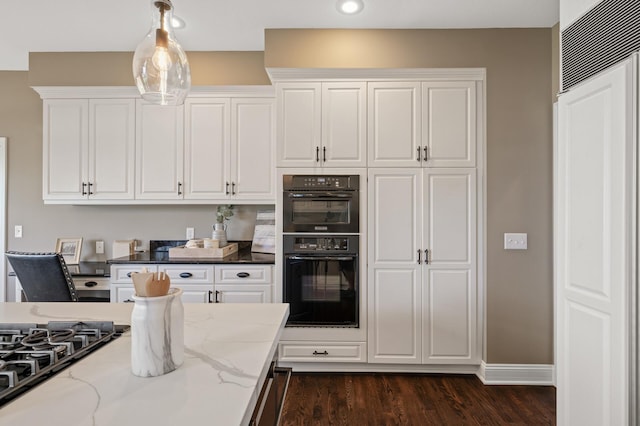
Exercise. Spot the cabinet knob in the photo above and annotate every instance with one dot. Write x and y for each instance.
(243, 274)
(128, 274)
(186, 274)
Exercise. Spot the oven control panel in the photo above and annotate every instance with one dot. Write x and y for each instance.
(305, 244)
(302, 182)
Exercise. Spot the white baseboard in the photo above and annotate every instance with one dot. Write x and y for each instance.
(516, 374)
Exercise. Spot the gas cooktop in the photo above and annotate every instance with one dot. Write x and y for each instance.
(30, 353)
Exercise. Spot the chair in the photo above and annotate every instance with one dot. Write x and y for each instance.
(44, 276)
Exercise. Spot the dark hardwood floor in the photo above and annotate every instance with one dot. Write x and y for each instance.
(407, 399)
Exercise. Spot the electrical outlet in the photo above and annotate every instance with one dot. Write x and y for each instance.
(190, 233)
(515, 241)
(18, 231)
(99, 247)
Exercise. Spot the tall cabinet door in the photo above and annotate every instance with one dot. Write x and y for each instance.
(394, 121)
(595, 236)
(207, 139)
(65, 146)
(394, 271)
(449, 280)
(159, 151)
(449, 123)
(298, 129)
(111, 149)
(252, 148)
(344, 114)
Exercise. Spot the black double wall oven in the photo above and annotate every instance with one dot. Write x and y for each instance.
(321, 250)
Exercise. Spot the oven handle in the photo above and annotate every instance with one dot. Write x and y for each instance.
(321, 257)
(319, 195)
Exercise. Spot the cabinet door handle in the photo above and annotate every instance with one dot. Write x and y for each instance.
(418, 157)
(243, 274)
(90, 191)
(84, 188)
(419, 256)
(426, 156)
(209, 293)
(226, 191)
(217, 300)
(321, 353)
(324, 154)
(317, 154)
(233, 188)
(179, 188)
(186, 274)
(426, 256)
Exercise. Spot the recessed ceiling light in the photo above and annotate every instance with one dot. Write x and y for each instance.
(177, 23)
(349, 7)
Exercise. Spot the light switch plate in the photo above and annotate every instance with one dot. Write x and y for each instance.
(18, 231)
(190, 233)
(515, 241)
(99, 247)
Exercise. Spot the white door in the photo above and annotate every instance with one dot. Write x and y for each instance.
(111, 149)
(449, 279)
(449, 123)
(159, 151)
(64, 153)
(344, 114)
(594, 240)
(253, 172)
(298, 129)
(207, 154)
(394, 124)
(243, 294)
(394, 271)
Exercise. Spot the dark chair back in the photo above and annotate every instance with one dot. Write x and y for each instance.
(44, 276)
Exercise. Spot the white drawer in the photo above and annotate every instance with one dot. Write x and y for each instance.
(238, 274)
(322, 352)
(101, 283)
(121, 274)
(188, 274)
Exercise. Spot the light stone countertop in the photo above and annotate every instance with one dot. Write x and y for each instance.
(228, 350)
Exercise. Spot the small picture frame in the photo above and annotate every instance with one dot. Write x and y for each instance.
(70, 249)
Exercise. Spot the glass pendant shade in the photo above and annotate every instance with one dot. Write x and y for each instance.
(160, 67)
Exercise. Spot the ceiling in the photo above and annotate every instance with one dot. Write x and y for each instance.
(224, 25)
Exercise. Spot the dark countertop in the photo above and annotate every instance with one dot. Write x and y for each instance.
(243, 256)
(85, 269)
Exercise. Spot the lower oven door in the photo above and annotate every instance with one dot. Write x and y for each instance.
(321, 290)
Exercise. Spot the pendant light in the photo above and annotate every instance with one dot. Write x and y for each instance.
(160, 67)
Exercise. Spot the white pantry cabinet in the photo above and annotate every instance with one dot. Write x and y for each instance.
(422, 124)
(88, 149)
(321, 124)
(229, 149)
(422, 266)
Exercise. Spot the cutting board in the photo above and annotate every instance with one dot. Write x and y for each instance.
(202, 253)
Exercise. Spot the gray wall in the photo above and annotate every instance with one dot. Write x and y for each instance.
(520, 80)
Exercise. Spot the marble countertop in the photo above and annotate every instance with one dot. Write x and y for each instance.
(228, 349)
(245, 256)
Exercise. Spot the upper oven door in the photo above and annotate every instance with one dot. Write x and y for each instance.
(321, 211)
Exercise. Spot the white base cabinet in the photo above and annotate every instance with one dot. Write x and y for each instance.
(202, 283)
(422, 303)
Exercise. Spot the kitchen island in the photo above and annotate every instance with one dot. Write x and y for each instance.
(228, 351)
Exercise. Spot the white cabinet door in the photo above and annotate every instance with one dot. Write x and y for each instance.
(595, 263)
(394, 121)
(298, 128)
(252, 149)
(207, 154)
(449, 124)
(394, 274)
(111, 149)
(195, 293)
(242, 293)
(159, 151)
(344, 142)
(65, 146)
(122, 293)
(449, 267)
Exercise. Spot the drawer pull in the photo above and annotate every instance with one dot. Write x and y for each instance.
(128, 274)
(186, 274)
(321, 353)
(243, 274)
(128, 301)
(91, 284)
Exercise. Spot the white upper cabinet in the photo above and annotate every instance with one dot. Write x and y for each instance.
(394, 124)
(428, 124)
(207, 153)
(321, 124)
(159, 152)
(88, 149)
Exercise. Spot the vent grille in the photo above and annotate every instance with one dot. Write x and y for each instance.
(605, 35)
